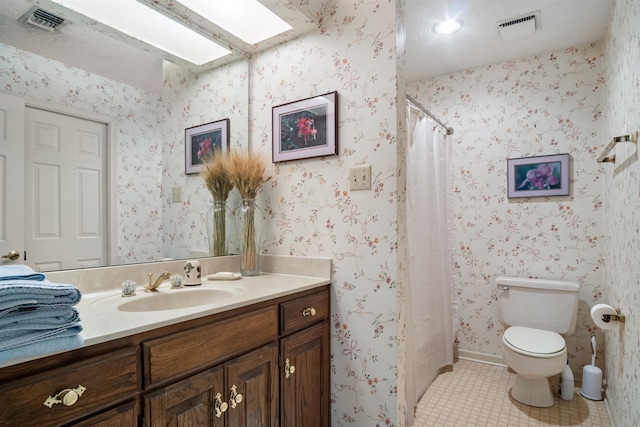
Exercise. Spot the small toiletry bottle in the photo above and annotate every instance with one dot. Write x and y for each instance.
(566, 383)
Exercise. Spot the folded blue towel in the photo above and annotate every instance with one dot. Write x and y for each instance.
(13, 293)
(41, 348)
(30, 337)
(39, 318)
(11, 305)
(19, 272)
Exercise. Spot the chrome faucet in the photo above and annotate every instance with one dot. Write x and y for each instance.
(154, 287)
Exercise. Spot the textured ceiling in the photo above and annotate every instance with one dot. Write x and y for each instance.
(563, 23)
(92, 47)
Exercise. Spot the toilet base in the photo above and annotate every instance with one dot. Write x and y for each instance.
(533, 391)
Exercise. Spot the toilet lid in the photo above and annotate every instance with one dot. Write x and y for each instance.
(534, 341)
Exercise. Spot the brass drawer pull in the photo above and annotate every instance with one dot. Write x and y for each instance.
(67, 397)
(288, 369)
(235, 397)
(220, 406)
(309, 311)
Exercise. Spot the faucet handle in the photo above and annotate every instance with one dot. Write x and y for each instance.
(148, 286)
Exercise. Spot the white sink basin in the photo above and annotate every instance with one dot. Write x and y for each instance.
(174, 299)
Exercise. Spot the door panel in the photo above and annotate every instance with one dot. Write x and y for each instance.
(254, 376)
(305, 399)
(187, 403)
(11, 177)
(65, 191)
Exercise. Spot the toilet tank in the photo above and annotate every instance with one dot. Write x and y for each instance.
(551, 305)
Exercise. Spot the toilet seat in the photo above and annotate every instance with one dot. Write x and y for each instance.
(534, 342)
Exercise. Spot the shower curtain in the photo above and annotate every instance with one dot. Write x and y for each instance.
(430, 321)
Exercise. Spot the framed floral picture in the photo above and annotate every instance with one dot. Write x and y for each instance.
(202, 141)
(306, 128)
(539, 176)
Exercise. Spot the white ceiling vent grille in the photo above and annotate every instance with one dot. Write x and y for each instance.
(42, 19)
(519, 26)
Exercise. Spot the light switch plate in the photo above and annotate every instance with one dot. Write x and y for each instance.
(176, 194)
(360, 178)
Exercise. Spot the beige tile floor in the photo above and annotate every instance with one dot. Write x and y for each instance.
(478, 394)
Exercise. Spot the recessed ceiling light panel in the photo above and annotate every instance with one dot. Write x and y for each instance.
(449, 26)
(249, 20)
(145, 24)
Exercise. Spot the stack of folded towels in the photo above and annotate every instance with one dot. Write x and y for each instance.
(36, 316)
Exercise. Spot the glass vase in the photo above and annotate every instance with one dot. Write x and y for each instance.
(217, 228)
(250, 220)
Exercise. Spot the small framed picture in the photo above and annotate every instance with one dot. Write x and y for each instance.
(202, 141)
(306, 128)
(539, 176)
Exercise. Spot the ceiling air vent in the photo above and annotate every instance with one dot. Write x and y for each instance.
(519, 26)
(42, 19)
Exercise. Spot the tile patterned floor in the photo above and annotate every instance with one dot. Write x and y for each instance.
(477, 394)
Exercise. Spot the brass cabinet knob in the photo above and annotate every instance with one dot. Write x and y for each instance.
(309, 311)
(67, 397)
(288, 368)
(220, 406)
(235, 397)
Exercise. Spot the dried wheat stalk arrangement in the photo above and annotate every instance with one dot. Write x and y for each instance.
(246, 171)
(219, 184)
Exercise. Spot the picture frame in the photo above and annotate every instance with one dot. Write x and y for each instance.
(201, 142)
(538, 176)
(306, 128)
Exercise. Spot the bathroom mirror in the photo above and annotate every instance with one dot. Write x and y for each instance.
(151, 102)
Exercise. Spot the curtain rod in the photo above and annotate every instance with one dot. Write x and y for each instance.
(428, 113)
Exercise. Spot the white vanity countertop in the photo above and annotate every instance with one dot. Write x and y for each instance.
(102, 320)
(102, 309)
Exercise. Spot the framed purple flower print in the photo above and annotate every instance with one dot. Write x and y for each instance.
(202, 141)
(539, 176)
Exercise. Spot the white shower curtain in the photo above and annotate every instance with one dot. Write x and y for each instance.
(430, 330)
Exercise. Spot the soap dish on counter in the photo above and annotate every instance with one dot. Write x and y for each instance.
(224, 275)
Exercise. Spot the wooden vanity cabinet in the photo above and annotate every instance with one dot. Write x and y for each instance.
(72, 391)
(241, 392)
(266, 364)
(304, 358)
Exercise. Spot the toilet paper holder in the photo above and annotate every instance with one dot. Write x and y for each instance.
(613, 317)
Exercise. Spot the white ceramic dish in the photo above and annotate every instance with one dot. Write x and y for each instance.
(224, 275)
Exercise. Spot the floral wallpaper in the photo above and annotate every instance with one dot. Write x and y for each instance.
(150, 142)
(139, 139)
(621, 222)
(545, 104)
(192, 100)
(310, 208)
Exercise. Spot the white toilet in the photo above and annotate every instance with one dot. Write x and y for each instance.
(536, 312)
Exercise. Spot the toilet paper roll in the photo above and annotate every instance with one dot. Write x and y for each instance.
(596, 314)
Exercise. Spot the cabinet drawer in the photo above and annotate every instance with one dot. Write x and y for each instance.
(185, 351)
(305, 311)
(105, 379)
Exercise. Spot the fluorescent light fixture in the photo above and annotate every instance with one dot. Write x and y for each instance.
(145, 24)
(249, 20)
(448, 27)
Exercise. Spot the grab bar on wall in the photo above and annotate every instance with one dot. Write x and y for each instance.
(632, 137)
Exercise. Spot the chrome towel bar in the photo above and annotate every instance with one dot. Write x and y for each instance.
(632, 137)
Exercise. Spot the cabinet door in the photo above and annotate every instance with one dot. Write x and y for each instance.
(252, 388)
(305, 378)
(190, 402)
(125, 415)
